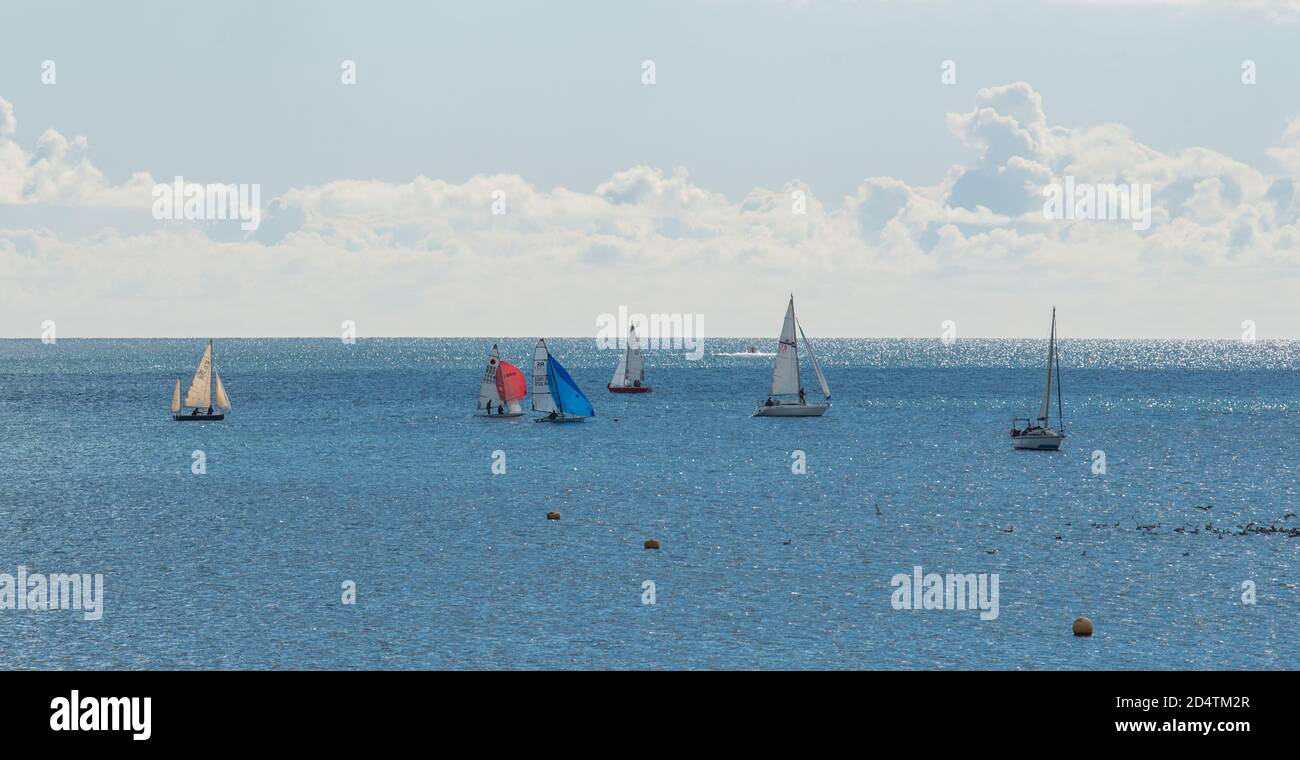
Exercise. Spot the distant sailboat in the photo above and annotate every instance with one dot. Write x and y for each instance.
(629, 375)
(785, 376)
(554, 392)
(1040, 436)
(199, 396)
(503, 386)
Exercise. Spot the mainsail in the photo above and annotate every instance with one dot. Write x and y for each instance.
(200, 392)
(176, 398)
(568, 398)
(488, 395)
(542, 401)
(223, 401)
(1047, 391)
(785, 375)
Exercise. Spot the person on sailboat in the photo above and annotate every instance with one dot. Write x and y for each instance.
(552, 415)
(501, 408)
(802, 400)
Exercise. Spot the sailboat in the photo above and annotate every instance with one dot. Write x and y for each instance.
(199, 397)
(554, 392)
(785, 376)
(1040, 436)
(629, 375)
(503, 386)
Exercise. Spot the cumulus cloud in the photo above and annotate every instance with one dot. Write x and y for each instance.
(58, 171)
(497, 254)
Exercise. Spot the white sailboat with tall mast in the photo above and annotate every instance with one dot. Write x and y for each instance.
(786, 397)
(629, 375)
(1038, 434)
(198, 398)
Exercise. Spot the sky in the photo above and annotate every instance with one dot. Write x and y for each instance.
(506, 169)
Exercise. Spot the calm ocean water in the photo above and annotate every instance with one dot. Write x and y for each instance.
(364, 463)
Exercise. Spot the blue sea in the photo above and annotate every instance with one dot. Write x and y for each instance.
(362, 464)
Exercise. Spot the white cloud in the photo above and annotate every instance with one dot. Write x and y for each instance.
(58, 172)
(430, 257)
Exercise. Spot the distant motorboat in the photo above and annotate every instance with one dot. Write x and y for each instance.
(629, 375)
(555, 394)
(1038, 435)
(199, 396)
(502, 387)
(786, 397)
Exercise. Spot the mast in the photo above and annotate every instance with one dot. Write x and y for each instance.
(798, 379)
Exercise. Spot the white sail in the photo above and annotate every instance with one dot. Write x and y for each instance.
(620, 372)
(176, 398)
(631, 366)
(542, 401)
(223, 401)
(1047, 391)
(785, 375)
(200, 392)
(487, 392)
(635, 362)
(821, 379)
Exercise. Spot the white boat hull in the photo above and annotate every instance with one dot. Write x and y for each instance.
(791, 410)
(1048, 441)
(494, 415)
(560, 419)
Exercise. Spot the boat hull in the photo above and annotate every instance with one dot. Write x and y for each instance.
(792, 410)
(560, 419)
(629, 388)
(1038, 442)
(198, 417)
(495, 416)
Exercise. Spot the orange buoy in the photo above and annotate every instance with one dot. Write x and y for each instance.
(1083, 627)
(651, 544)
(552, 515)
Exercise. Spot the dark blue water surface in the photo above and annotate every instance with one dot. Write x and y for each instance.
(364, 463)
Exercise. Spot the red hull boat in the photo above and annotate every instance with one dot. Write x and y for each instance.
(629, 388)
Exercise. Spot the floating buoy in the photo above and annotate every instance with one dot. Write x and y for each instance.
(552, 515)
(651, 544)
(1083, 627)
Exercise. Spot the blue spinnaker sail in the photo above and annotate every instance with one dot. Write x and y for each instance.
(567, 397)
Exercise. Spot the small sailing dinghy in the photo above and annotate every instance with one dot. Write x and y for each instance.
(199, 397)
(1040, 436)
(503, 386)
(785, 376)
(554, 392)
(629, 375)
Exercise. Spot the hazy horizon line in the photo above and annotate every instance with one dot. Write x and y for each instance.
(756, 338)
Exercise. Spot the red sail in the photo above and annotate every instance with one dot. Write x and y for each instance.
(510, 382)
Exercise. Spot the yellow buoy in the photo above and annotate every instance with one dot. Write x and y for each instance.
(651, 544)
(1083, 627)
(552, 515)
